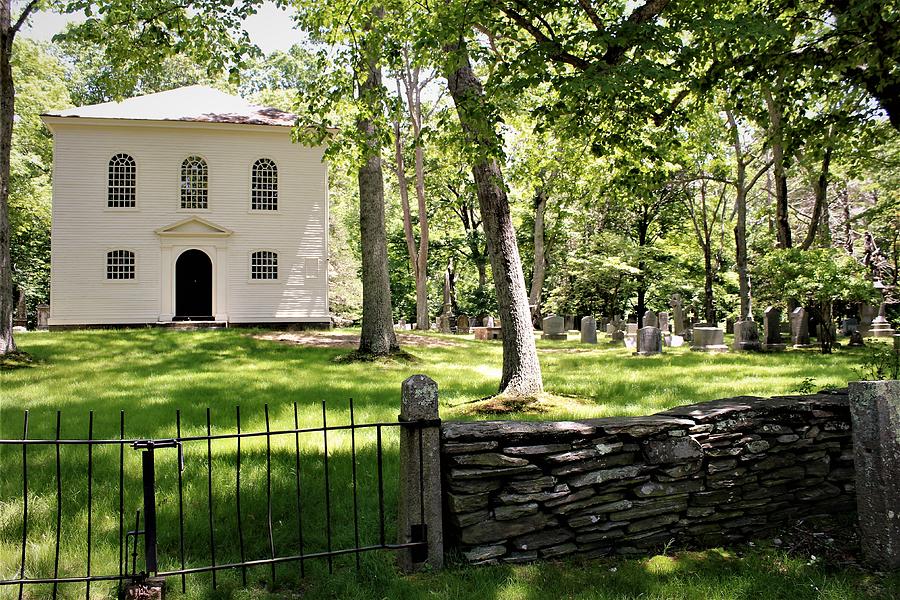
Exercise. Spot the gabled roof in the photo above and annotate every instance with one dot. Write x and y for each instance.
(193, 226)
(195, 103)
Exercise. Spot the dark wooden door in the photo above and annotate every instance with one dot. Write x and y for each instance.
(193, 286)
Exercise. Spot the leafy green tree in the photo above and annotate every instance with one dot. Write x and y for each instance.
(815, 279)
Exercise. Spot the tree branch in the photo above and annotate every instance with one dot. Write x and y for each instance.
(26, 12)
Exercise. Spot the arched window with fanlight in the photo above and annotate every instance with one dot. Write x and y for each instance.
(120, 264)
(264, 265)
(194, 183)
(121, 189)
(264, 185)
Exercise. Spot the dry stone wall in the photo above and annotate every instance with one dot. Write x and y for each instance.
(706, 474)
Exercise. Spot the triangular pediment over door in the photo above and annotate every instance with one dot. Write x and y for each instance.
(193, 227)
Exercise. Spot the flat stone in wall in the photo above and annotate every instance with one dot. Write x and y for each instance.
(706, 474)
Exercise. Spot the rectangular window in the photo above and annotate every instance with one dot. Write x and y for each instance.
(264, 265)
(120, 264)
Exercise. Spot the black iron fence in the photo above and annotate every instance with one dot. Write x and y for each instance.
(268, 498)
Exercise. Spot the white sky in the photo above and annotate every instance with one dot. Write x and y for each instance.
(271, 28)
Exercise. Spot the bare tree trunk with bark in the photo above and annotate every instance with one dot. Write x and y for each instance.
(377, 337)
(820, 208)
(540, 259)
(8, 31)
(521, 369)
(782, 224)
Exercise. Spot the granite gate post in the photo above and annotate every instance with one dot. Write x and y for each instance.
(420, 515)
(875, 413)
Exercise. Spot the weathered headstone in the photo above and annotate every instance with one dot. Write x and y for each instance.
(20, 316)
(649, 341)
(677, 314)
(800, 328)
(630, 337)
(43, 316)
(881, 327)
(875, 412)
(746, 336)
(856, 339)
(650, 319)
(867, 313)
(631, 328)
(772, 339)
(553, 327)
(664, 322)
(489, 321)
(848, 326)
(708, 339)
(462, 324)
(588, 330)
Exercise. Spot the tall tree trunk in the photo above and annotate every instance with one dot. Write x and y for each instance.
(377, 337)
(709, 305)
(820, 208)
(643, 228)
(782, 224)
(7, 117)
(540, 260)
(521, 369)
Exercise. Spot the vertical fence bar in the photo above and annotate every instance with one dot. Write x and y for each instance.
(327, 489)
(90, 494)
(421, 480)
(299, 503)
(134, 552)
(269, 492)
(212, 535)
(237, 490)
(24, 501)
(180, 498)
(148, 470)
(353, 470)
(122, 550)
(59, 509)
(381, 537)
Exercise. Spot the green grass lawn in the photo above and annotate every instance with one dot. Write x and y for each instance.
(151, 373)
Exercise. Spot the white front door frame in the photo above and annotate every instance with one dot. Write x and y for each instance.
(217, 250)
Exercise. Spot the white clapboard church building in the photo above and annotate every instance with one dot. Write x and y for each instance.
(186, 205)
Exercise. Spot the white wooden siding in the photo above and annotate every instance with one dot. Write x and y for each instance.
(84, 229)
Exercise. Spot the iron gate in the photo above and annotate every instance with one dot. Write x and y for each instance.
(142, 552)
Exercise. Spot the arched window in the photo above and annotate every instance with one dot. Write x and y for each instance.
(120, 264)
(264, 265)
(264, 185)
(122, 186)
(194, 180)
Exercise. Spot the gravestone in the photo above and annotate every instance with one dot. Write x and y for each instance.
(708, 339)
(553, 328)
(650, 319)
(856, 339)
(569, 322)
(772, 339)
(488, 333)
(880, 325)
(664, 322)
(630, 338)
(489, 321)
(43, 316)
(677, 314)
(746, 336)
(729, 325)
(20, 316)
(444, 324)
(867, 313)
(588, 330)
(800, 328)
(649, 341)
(848, 326)
(462, 324)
